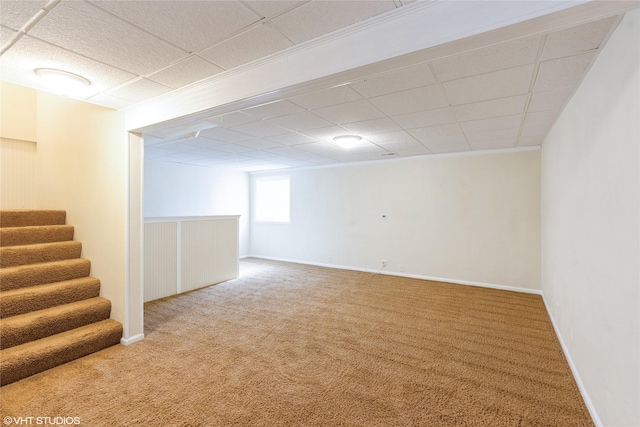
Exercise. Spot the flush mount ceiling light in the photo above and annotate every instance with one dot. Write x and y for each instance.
(62, 82)
(347, 141)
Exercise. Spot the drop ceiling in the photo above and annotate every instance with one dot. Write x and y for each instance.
(505, 95)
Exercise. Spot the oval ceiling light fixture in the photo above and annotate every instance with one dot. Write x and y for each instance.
(347, 141)
(62, 82)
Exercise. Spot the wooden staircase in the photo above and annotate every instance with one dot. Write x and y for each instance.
(51, 311)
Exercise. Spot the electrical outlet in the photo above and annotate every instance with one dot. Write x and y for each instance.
(384, 263)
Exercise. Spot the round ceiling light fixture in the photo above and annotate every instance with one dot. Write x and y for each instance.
(347, 141)
(62, 82)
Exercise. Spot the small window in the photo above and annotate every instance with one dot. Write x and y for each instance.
(272, 200)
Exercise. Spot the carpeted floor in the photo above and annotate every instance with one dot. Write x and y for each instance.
(296, 345)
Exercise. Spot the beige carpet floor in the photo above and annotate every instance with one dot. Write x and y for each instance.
(296, 345)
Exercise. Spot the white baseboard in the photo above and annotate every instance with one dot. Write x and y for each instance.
(412, 276)
(574, 370)
(131, 340)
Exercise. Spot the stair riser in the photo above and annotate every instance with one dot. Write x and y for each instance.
(21, 301)
(26, 218)
(29, 359)
(33, 254)
(30, 327)
(34, 235)
(39, 274)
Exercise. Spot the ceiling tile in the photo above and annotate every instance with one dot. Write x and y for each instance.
(390, 138)
(399, 80)
(300, 121)
(299, 153)
(493, 144)
(527, 141)
(30, 53)
(498, 57)
(539, 122)
(446, 140)
(562, 73)
(271, 8)
(190, 25)
(83, 28)
(326, 97)
(261, 129)
(326, 133)
(204, 152)
(232, 119)
(179, 157)
(273, 109)
(374, 126)
(427, 134)
(491, 135)
(499, 84)
(495, 123)
(15, 13)
(291, 139)
(316, 18)
(153, 152)
(202, 142)
(440, 116)
(259, 144)
(550, 100)
(109, 101)
(175, 147)
(410, 101)
(349, 112)
(404, 145)
(5, 35)
(576, 39)
(492, 108)
(416, 150)
(250, 45)
(139, 90)
(233, 148)
(320, 147)
(185, 72)
(225, 135)
(206, 162)
(260, 155)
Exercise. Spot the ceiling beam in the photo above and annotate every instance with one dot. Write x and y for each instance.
(419, 32)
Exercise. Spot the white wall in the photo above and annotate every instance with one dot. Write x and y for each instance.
(473, 218)
(173, 189)
(590, 228)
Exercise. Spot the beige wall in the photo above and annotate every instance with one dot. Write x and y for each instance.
(82, 167)
(591, 228)
(18, 161)
(472, 218)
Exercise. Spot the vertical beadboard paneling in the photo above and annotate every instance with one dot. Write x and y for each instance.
(209, 251)
(17, 174)
(160, 259)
